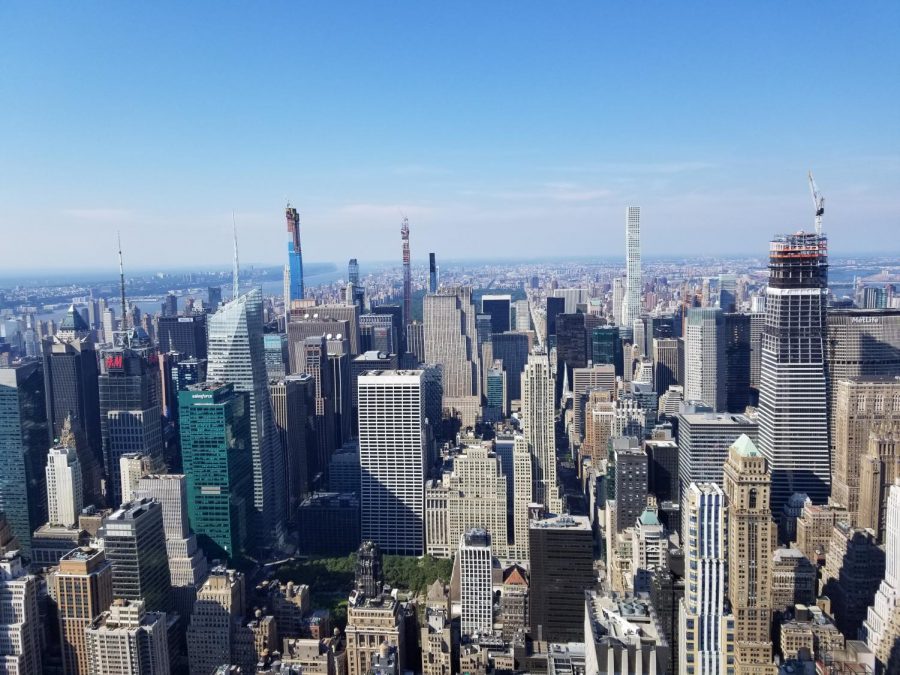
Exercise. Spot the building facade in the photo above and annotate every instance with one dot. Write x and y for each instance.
(23, 449)
(476, 588)
(392, 451)
(83, 591)
(706, 631)
(216, 451)
(704, 357)
(538, 427)
(751, 533)
(793, 410)
(631, 303)
(236, 356)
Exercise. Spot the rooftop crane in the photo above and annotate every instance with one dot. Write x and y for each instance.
(818, 202)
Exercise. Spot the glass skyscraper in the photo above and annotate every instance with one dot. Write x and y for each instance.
(295, 256)
(606, 347)
(23, 449)
(216, 453)
(237, 356)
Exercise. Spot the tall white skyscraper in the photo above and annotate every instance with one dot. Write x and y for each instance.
(126, 640)
(236, 355)
(793, 408)
(704, 357)
(392, 452)
(65, 495)
(538, 386)
(476, 588)
(631, 305)
(881, 627)
(132, 467)
(20, 622)
(703, 631)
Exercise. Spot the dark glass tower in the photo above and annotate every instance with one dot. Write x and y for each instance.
(499, 307)
(512, 350)
(130, 408)
(135, 543)
(793, 411)
(71, 384)
(571, 347)
(432, 274)
(555, 306)
(214, 298)
(606, 348)
(561, 552)
(357, 292)
(23, 449)
(185, 334)
(737, 362)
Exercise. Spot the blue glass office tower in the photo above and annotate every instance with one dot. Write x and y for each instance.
(295, 255)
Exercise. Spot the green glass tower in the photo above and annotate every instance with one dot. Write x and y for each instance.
(216, 453)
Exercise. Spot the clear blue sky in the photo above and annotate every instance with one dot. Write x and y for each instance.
(499, 128)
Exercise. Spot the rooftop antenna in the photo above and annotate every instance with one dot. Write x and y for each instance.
(236, 266)
(818, 202)
(122, 283)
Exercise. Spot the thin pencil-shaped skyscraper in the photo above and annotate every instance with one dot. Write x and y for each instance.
(631, 305)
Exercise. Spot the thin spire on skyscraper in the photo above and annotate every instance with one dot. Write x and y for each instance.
(236, 270)
(122, 284)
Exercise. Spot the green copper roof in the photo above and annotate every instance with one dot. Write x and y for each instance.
(745, 446)
(73, 321)
(649, 517)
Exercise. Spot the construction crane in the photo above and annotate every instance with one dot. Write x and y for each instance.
(818, 202)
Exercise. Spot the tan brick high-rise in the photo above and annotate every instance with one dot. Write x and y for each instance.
(83, 592)
(751, 538)
(860, 404)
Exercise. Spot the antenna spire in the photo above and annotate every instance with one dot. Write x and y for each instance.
(122, 283)
(236, 265)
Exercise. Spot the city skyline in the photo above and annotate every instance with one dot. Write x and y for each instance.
(239, 120)
(458, 384)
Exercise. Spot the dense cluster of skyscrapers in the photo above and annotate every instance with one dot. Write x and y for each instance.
(629, 475)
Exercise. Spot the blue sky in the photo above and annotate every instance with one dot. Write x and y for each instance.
(501, 129)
